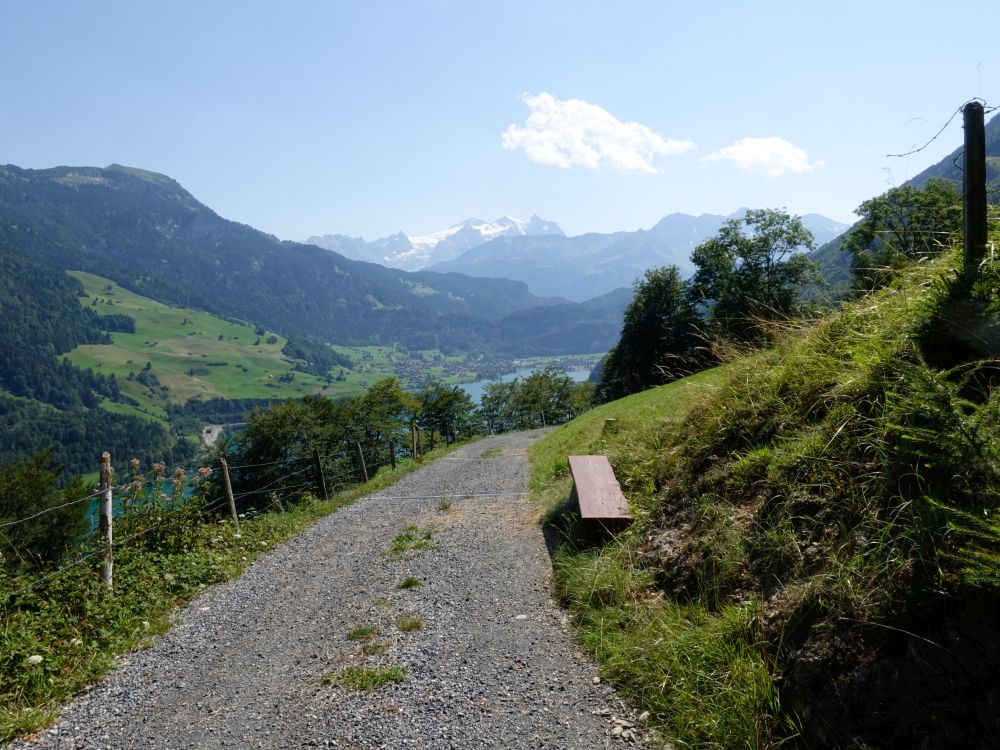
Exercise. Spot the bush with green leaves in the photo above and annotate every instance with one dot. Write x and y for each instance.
(40, 521)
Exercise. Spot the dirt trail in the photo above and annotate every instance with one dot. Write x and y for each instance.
(250, 662)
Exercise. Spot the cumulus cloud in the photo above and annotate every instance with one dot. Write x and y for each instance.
(773, 156)
(572, 132)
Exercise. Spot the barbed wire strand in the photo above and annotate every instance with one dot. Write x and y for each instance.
(271, 484)
(8, 524)
(282, 489)
(269, 463)
(943, 128)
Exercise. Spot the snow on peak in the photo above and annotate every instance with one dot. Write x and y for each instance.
(412, 252)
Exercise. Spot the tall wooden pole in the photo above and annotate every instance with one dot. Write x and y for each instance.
(392, 454)
(974, 190)
(228, 487)
(107, 519)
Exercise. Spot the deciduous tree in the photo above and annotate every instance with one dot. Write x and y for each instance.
(659, 337)
(900, 226)
(752, 271)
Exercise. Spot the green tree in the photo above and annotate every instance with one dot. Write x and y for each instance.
(900, 226)
(544, 398)
(448, 411)
(496, 407)
(277, 446)
(29, 487)
(383, 417)
(659, 338)
(752, 271)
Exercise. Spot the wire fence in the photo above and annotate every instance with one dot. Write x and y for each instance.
(161, 494)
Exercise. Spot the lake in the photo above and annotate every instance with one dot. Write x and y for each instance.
(475, 388)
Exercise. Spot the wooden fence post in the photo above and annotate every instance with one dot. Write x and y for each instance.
(974, 190)
(413, 437)
(106, 522)
(228, 487)
(392, 454)
(318, 465)
(361, 457)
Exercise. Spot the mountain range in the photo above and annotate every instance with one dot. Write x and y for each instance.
(412, 253)
(586, 266)
(148, 234)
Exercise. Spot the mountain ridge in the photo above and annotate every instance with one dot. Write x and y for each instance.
(585, 266)
(147, 233)
(416, 252)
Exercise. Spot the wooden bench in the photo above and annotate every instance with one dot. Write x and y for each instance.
(596, 491)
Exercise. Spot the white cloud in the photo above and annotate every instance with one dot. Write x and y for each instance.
(564, 133)
(773, 156)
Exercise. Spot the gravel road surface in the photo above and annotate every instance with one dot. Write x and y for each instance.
(257, 662)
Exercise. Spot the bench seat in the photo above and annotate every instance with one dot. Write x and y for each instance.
(596, 490)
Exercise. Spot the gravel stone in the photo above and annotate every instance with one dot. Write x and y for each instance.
(253, 662)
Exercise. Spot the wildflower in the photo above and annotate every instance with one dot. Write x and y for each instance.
(75, 642)
(35, 659)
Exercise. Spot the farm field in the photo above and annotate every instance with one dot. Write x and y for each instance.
(196, 355)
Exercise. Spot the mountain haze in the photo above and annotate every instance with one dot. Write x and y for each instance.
(412, 253)
(589, 265)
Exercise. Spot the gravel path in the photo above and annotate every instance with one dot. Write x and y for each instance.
(250, 662)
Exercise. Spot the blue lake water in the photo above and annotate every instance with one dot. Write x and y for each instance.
(475, 388)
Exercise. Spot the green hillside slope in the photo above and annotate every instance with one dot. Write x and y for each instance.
(190, 353)
(816, 556)
(149, 235)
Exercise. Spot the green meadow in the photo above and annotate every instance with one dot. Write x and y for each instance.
(197, 355)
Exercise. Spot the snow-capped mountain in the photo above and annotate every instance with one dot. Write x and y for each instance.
(589, 265)
(413, 252)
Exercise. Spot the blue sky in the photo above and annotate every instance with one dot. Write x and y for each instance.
(365, 118)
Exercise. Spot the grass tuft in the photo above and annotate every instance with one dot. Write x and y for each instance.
(408, 623)
(411, 542)
(362, 632)
(365, 678)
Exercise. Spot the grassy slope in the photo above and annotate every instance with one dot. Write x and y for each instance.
(829, 504)
(640, 414)
(178, 340)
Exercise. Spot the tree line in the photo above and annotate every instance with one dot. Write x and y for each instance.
(274, 455)
(361, 435)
